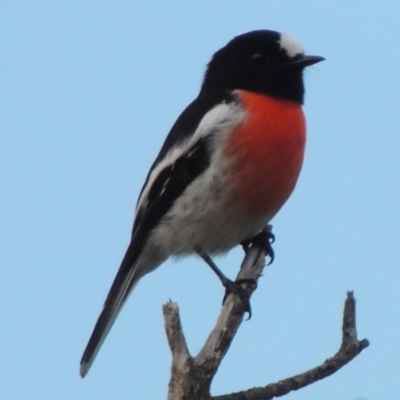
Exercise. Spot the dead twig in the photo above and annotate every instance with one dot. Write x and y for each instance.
(192, 376)
(350, 348)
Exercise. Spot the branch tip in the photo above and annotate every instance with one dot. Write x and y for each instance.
(174, 331)
(350, 348)
(364, 344)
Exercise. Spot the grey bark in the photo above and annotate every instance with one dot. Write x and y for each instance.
(191, 377)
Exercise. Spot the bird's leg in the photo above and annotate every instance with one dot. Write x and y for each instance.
(230, 286)
(264, 240)
(224, 280)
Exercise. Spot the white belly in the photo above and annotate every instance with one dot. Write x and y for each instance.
(202, 217)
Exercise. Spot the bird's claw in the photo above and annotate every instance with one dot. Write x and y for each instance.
(263, 240)
(238, 289)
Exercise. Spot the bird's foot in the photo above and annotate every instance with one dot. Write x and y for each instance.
(230, 286)
(237, 287)
(263, 240)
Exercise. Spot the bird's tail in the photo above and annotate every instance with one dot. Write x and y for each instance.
(127, 277)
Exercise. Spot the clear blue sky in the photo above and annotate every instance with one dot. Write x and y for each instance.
(88, 90)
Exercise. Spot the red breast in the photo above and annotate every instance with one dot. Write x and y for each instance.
(268, 149)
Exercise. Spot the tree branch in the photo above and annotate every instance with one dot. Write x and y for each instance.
(192, 376)
(350, 348)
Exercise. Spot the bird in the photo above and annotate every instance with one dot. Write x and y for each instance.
(227, 166)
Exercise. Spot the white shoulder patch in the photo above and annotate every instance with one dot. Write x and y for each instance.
(220, 118)
(290, 45)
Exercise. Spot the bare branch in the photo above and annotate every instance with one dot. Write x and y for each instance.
(182, 362)
(350, 348)
(191, 377)
(173, 327)
(220, 338)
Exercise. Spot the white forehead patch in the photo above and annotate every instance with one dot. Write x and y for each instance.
(290, 45)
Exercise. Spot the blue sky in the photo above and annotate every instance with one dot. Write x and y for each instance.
(88, 90)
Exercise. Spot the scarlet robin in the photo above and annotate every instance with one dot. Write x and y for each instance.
(227, 166)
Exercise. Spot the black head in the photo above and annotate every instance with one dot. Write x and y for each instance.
(262, 61)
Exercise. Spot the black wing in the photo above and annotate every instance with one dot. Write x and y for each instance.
(172, 180)
(186, 125)
(169, 184)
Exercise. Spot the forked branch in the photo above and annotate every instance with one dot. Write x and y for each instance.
(192, 376)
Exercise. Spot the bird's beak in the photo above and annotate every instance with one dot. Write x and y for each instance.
(303, 61)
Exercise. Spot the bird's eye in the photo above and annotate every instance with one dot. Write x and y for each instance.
(259, 59)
